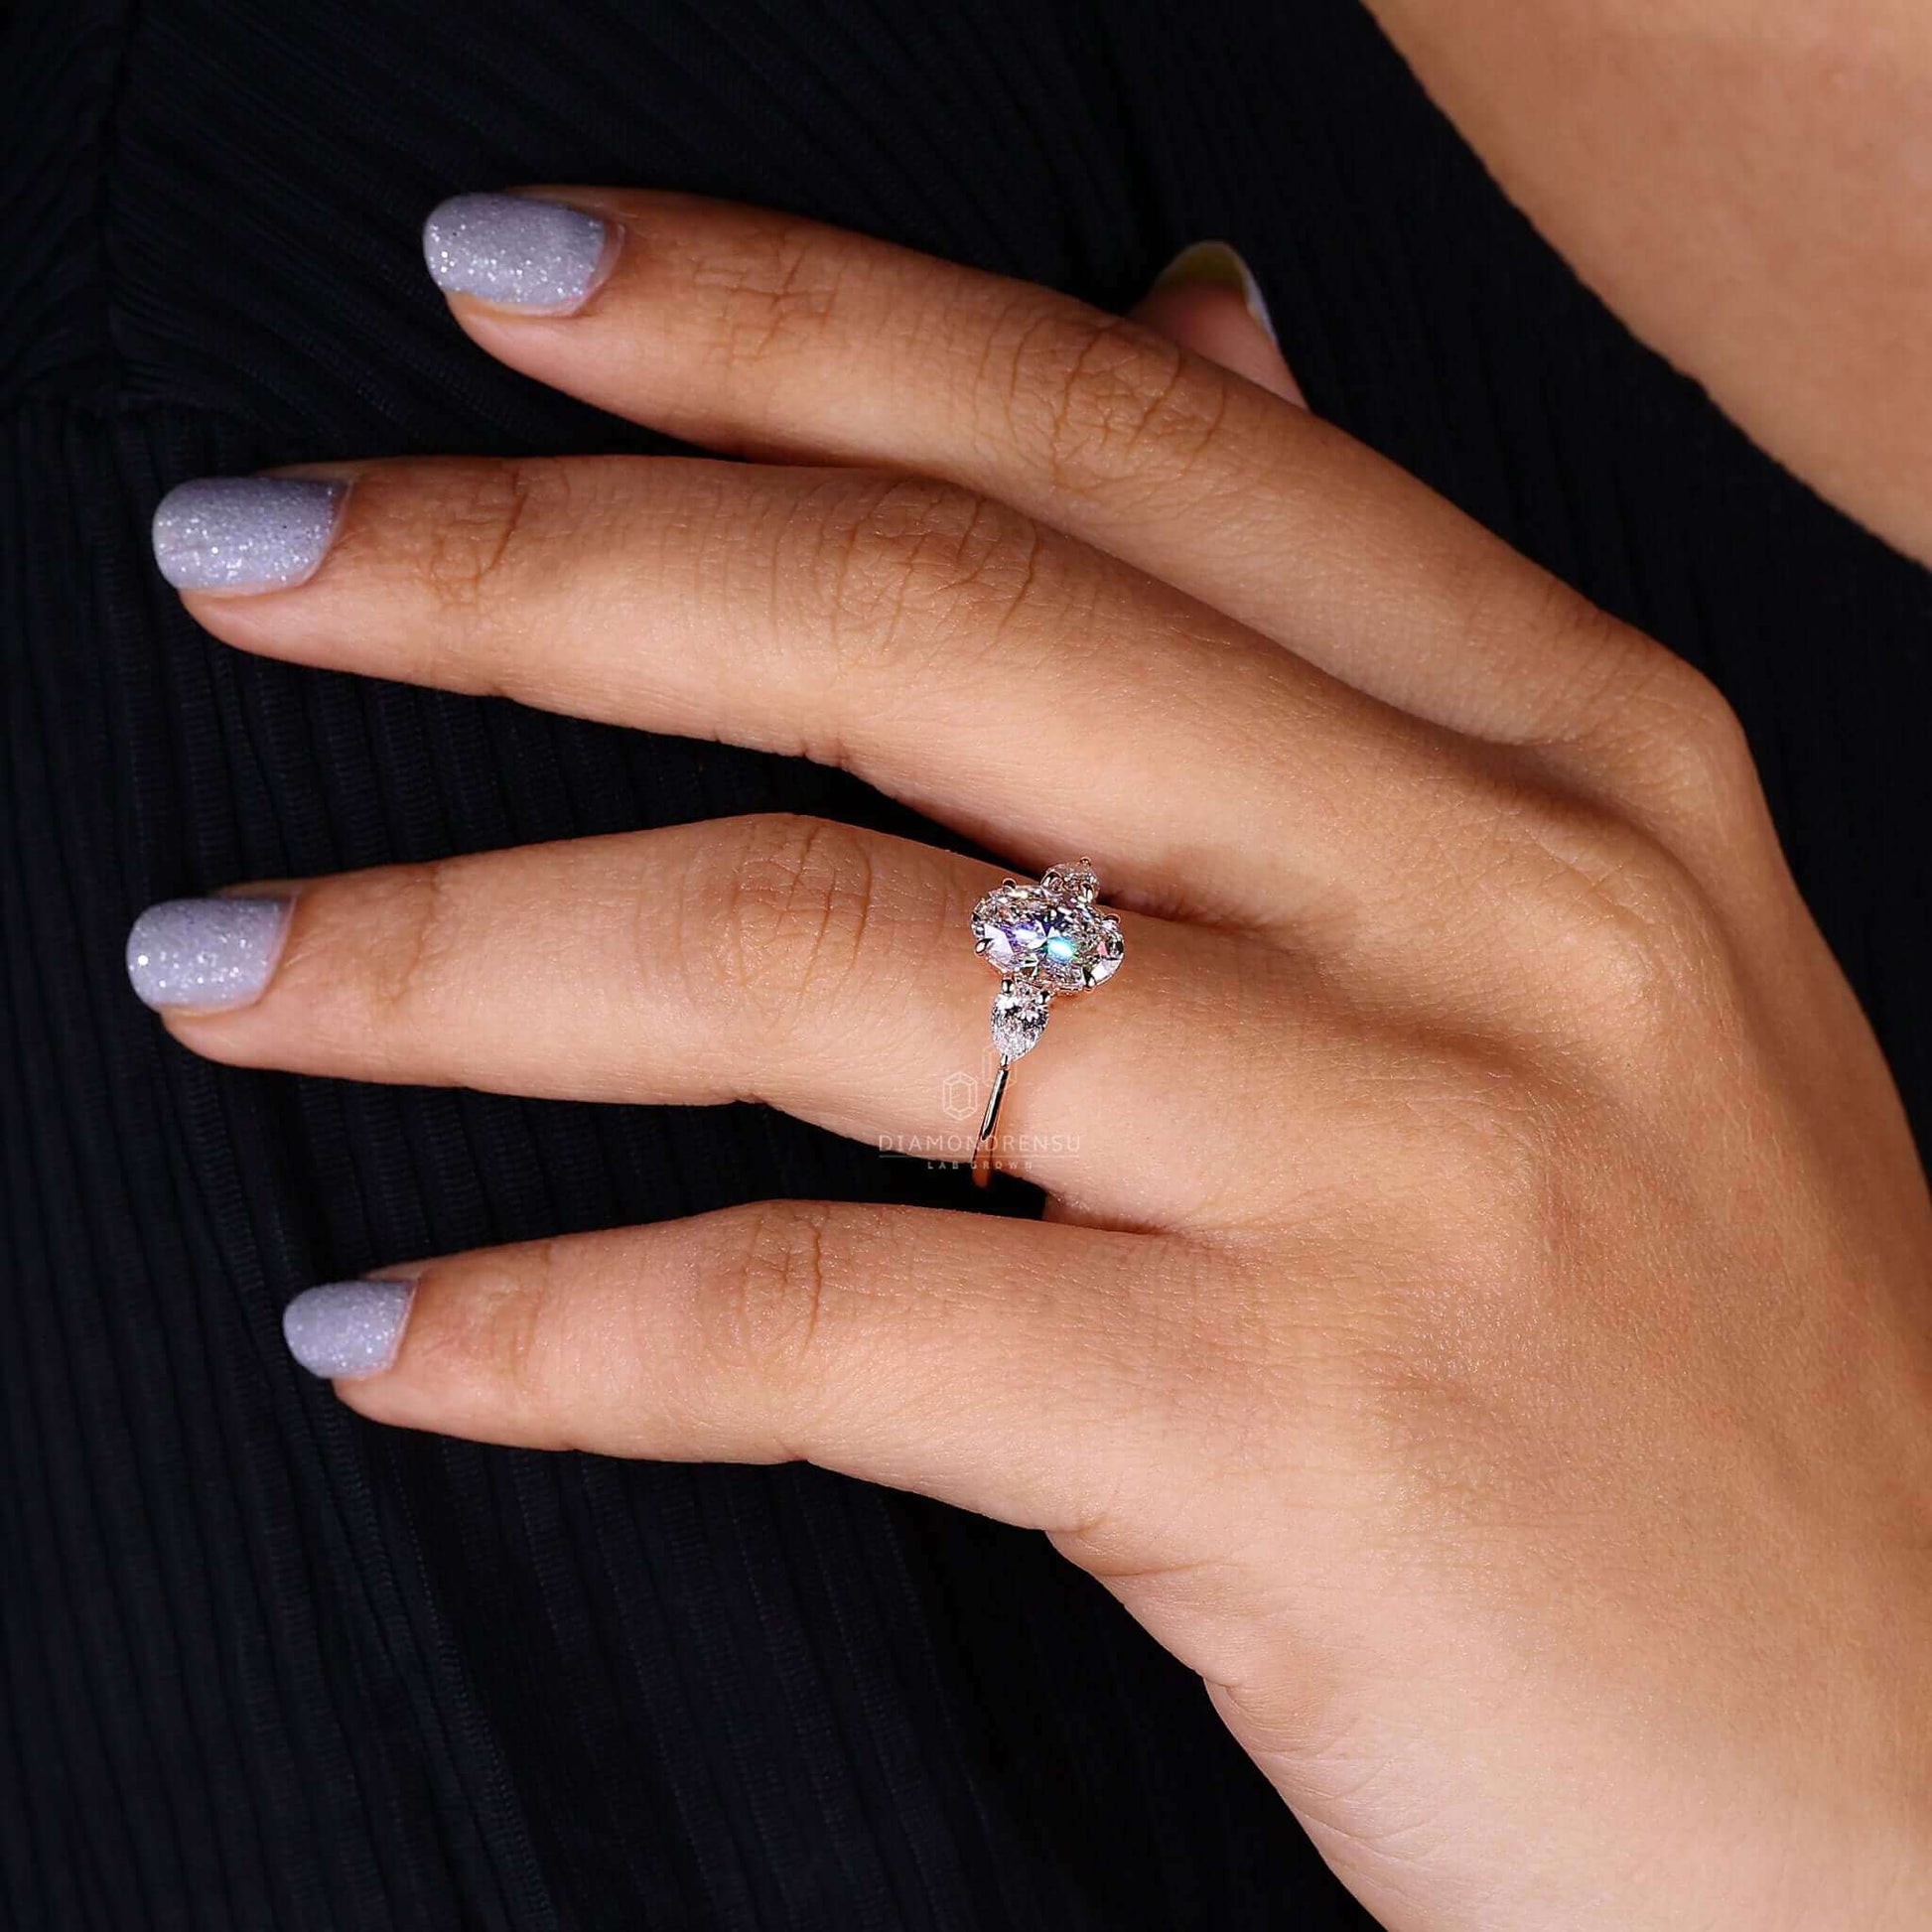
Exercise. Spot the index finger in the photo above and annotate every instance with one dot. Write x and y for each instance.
(761, 333)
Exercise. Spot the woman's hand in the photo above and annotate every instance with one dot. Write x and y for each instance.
(1481, 1322)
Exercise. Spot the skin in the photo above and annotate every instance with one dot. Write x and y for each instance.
(1745, 182)
(1480, 1324)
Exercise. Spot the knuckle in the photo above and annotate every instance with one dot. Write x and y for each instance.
(513, 1320)
(408, 948)
(910, 568)
(781, 278)
(763, 1292)
(1106, 403)
(486, 520)
(1679, 752)
(494, 1327)
(1696, 750)
(1635, 947)
(788, 916)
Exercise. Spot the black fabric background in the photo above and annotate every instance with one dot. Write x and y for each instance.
(266, 1668)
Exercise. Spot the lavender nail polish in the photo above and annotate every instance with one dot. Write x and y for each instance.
(245, 534)
(344, 1330)
(206, 956)
(518, 252)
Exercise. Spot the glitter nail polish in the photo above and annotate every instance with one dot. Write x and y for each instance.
(344, 1330)
(517, 252)
(206, 956)
(245, 534)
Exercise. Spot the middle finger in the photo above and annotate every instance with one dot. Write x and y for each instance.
(996, 674)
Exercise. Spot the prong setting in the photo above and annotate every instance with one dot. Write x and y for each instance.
(1046, 942)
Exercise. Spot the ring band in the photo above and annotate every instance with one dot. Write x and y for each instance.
(1045, 942)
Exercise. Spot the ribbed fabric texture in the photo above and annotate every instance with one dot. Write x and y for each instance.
(267, 1669)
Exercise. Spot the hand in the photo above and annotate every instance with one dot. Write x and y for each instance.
(1482, 1320)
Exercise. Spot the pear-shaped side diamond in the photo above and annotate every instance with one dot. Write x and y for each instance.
(1018, 1017)
(1074, 882)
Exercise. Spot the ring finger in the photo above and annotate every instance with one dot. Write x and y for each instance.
(820, 968)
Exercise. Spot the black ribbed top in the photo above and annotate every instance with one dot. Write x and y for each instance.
(267, 1668)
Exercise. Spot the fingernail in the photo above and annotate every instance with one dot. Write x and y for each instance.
(206, 956)
(245, 534)
(347, 1329)
(518, 252)
(1215, 264)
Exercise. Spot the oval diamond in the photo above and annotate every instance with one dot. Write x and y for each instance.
(1072, 939)
(1053, 931)
(1009, 927)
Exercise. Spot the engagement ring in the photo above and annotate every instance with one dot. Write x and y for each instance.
(1044, 941)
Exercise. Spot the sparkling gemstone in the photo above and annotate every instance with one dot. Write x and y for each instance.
(1076, 881)
(1010, 926)
(1053, 932)
(1113, 949)
(1072, 938)
(1018, 1017)
(1004, 944)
